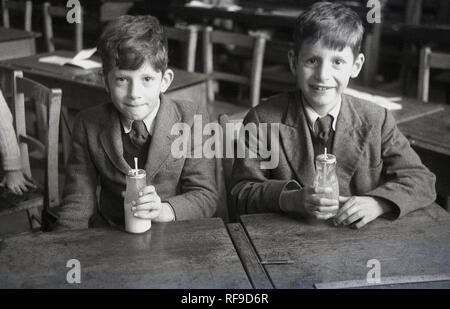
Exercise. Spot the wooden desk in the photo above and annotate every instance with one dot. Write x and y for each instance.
(431, 132)
(189, 254)
(430, 137)
(249, 16)
(15, 43)
(416, 245)
(85, 88)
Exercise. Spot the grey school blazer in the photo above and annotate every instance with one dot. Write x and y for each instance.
(96, 158)
(373, 158)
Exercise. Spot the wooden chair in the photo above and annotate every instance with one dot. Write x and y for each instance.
(415, 37)
(26, 8)
(255, 42)
(225, 166)
(189, 37)
(50, 12)
(430, 60)
(50, 101)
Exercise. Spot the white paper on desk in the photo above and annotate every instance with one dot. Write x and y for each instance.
(199, 4)
(80, 60)
(85, 54)
(379, 100)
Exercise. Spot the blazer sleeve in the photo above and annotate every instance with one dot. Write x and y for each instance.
(409, 185)
(199, 195)
(252, 189)
(79, 195)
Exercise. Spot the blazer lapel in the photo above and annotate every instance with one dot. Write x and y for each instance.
(111, 140)
(350, 137)
(160, 146)
(297, 142)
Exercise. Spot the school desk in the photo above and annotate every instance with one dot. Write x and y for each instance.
(296, 253)
(16, 43)
(430, 137)
(186, 254)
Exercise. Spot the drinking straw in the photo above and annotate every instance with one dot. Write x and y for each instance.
(135, 171)
(325, 165)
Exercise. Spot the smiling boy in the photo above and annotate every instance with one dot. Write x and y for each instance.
(378, 172)
(137, 123)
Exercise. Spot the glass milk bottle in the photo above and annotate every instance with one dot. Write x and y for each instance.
(136, 180)
(325, 176)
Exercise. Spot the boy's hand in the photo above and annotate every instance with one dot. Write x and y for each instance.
(312, 203)
(362, 208)
(149, 206)
(17, 182)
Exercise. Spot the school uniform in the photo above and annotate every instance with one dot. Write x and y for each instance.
(373, 157)
(98, 157)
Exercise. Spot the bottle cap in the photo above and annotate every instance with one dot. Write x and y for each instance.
(140, 173)
(326, 158)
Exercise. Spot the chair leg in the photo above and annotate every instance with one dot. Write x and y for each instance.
(34, 218)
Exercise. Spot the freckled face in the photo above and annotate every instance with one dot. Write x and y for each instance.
(322, 73)
(135, 93)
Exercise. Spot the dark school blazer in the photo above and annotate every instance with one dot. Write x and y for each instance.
(373, 158)
(96, 158)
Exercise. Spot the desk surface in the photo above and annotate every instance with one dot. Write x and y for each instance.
(416, 245)
(277, 17)
(411, 108)
(186, 254)
(431, 132)
(11, 34)
(91, 78)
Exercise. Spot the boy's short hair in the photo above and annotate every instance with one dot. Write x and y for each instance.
(128, 41)
(334, 24)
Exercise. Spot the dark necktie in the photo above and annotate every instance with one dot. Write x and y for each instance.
(322, 128)
(139, 133)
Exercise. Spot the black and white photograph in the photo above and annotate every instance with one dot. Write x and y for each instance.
(215, 151)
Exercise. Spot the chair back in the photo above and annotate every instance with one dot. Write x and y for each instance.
(50, 102)
(188, 36)
(20, 6)
(430, 60)
(49, 13)
(256, 42)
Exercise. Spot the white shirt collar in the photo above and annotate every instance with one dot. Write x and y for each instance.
(149, 121)
(311, 115)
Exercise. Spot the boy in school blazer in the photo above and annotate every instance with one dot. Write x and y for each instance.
(134, 56)
(378, 172)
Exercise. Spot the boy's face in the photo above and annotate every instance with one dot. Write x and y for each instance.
(322, 73)
(135, 93)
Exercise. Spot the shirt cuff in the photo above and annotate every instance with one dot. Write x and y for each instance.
(173, 211)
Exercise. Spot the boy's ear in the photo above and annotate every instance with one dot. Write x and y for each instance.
(167, 79)
(292, 61)
(357, 65)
